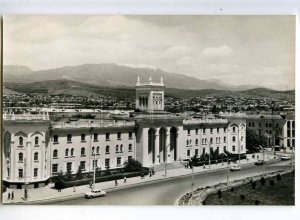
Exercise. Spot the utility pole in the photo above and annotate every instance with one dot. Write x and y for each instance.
(227, 168)
(94, 165)
(193, 180)
(239, 143)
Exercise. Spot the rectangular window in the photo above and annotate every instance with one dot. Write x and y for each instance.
(82, 137)
(107, 136)
(129, 157)
(293, 133)
(218, 130)
(189, 132)
(21, 173)
(203, 151)
(95, 137)
(8, 171)
(82, 165)
(204, 130)
(107, 162)
(54, 168)
(55, 138)
(224, 130)
(224, 148)
(196, 130)
(118, 161)
(196, 152)
(69, 138)
(188, 153)
(69, 166)
(35, 172)
(119, 135)
(130, 135)
(233, 148)
(211, 130)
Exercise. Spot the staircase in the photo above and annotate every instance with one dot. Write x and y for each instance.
(170, 166)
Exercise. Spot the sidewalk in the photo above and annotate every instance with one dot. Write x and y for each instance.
(48, 193)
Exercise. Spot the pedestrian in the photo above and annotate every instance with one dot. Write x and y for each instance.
(203, 166)
(116, 183)
(74, 189)
(125, 179)
(12, 195)
(8, 195)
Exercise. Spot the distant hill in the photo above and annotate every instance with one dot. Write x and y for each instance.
(84, 89)
(110, 75)
(15, 73)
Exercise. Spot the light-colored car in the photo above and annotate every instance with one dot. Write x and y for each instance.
(94, 193)
(235, 168)
(285, 157)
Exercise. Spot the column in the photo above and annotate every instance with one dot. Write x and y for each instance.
(168, 150)
(156, 146)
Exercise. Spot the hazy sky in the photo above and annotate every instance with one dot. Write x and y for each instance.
(258, 50)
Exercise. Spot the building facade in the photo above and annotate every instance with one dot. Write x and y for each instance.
(37, 148)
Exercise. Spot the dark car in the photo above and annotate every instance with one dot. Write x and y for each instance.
(259, 162)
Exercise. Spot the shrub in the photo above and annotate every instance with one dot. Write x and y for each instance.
(278, 177)
(253, 185)
(79, 174)
(272, 183)
(132, 165)
(262, 181)
(257, 202)
(220, 194)
(243, 197)
(232, 189)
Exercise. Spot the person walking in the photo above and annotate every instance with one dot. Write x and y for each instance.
(8, 195)
(116, 182)
(74, 189)
(125, 179)
(12, 195)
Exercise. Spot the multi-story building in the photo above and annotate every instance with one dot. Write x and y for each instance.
(37, 148)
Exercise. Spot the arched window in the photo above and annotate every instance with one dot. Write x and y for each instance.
(217, 139)
(121, 148)
(82, 151)
(20, 157)
(117, 148)
(233, 129)
(107, 149)
(55, 153)
(72, 152)
(224, 139)
(196, 141)
(233, 139)
(98, 150)
(93, 150)
(130, 147)
(21, 141)
(36, 156)
(205, 140)
(187, 142)
(36, 140)
(211, 140)
(67, 152)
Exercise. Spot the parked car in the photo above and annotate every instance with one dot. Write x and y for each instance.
(259, 162)
(286, 157)
(235, 168)
(94, 193)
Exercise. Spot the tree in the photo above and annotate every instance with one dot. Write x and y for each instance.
(253, 140)
(262, 181)
(79, 174)
(278, 177)
(132, 165)
(69, 172)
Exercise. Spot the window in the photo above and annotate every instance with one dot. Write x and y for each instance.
(224, 148)
(69, 166)
(95, 137)
(233, 148)
(82, 165)
(21, 141)
(107, 149)
(188, 153)
(217, 140)
(211, 130)
(20, 157)
(20, 173)
(259, 124)
(203, 151)
(218, 130)
(242, 138)
(187, 142)
(119, 135)
(242, 148)
(82, 151)
(67, 152)
(196, 130)
(224, 139)
(196, 141)
(130, 147)
(36, 156)
(203, 130)
(35, 172)
(55, 138)
(117, 148)
(218, 149)
(121, 148)
(130, 135)
(95, 163)
(249, 124)
(107, 162)
(118, 161)
(107, 136)
(72, 152)
(293, 124)
(233, 139)
(55, 152)
(82, 137)
(202, 141)
(129, 158)
(54, 168)
(69, 138)
(98, 150)
(36, 141)
(93, 150)
(211, 140)
(224, 130)
(196, 152)
(233, 129)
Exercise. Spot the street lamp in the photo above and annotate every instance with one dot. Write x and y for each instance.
(227, 168)
(193, 177)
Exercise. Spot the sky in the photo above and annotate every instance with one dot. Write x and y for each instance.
(237, 50)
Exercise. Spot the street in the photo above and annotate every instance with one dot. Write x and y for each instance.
(166, 193)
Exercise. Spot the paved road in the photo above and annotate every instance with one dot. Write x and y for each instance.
(166, 193)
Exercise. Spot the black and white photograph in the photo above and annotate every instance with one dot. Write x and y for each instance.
(173, 110)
